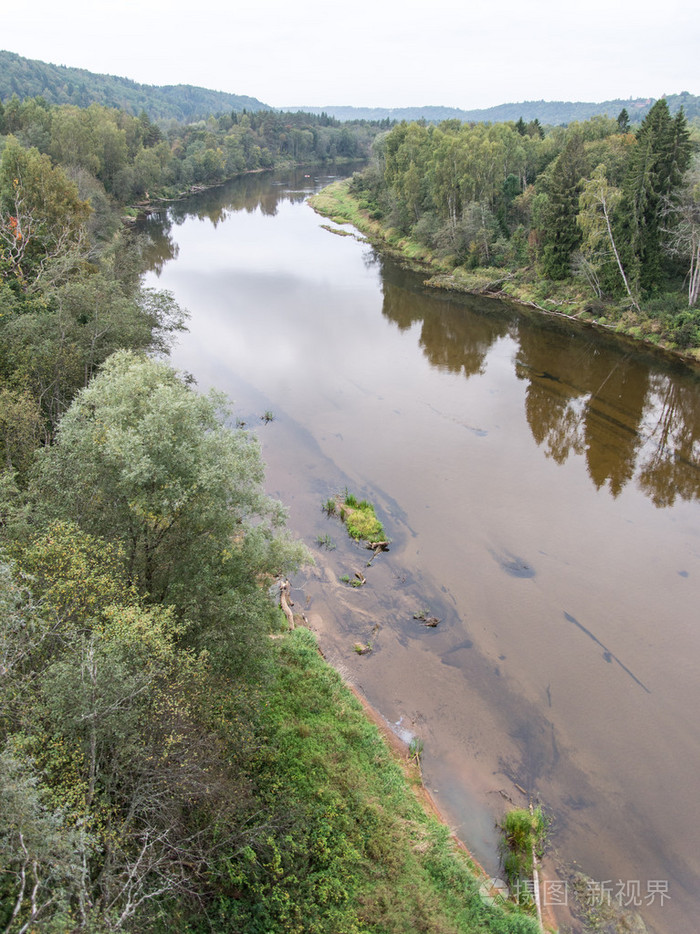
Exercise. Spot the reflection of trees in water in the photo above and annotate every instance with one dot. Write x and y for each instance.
(157, 244)
(671, 465)
(582, 399)
(618, 393)
(584, 396)
(252, 192)
(246, 193)
(453, 337)
(256, 190)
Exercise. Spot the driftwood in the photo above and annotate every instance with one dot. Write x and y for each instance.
(286, 602)
(430, 621)
(376, 547)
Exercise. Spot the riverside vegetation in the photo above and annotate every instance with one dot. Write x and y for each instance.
(164, 764)
(591, 220)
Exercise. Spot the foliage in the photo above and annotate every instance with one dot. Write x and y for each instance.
(655, 172)
(524, 835)
(372, 859)
(561, 234)
(58, 84)
(114, 154)
(143, 460)
(574, 219)
(361, 520)
(41, 216)
(129, 717)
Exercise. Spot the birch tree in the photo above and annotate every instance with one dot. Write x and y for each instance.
(682, 229)
(597, 203)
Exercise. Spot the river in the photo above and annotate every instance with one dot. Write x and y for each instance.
(540, 483)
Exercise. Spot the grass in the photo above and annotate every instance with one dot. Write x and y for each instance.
(363, 525)
(524, 833)
(361, 520)
(359, 517)
(374, 861)
(330, 507)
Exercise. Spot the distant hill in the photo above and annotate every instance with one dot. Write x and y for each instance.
(58, 84)
(549, 113)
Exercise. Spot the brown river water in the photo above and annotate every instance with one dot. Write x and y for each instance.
(540, 484)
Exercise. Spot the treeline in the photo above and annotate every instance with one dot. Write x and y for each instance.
(594, 214)
(24, 77)
(549, 113)
(133, 158)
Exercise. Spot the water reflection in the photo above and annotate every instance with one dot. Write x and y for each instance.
(450, 337)
(249, 193)
(586, 395)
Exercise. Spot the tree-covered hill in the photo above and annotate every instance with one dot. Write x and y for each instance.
(549, 113)
(58, 84)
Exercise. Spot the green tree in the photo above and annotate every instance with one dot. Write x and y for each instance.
(597, 203)
(42, 857)
(661, 156)
(42, 219)
(55, 346)
(681, 219)
(562, 234)
(623, 121)
(143, 460)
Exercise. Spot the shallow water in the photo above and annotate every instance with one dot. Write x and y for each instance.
(540, 484)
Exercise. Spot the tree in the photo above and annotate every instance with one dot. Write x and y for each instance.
(42, 858)
(623, 121)
(681, 216)
(661, 156)
(143, 460)
(41, 216)
(116, 788)
(597, 204)
(20, 428)
(67, 332)
(562, 234)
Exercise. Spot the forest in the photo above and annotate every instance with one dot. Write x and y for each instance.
(57, 84)
(133, 158)
(171, 756)
(594, 220)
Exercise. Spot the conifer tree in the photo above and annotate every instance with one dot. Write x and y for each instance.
(660, 158)
(563, 235)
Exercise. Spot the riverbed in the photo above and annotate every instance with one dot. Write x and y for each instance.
(540, 485)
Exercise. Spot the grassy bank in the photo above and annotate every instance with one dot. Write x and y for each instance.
(369, 858)
(567, 298)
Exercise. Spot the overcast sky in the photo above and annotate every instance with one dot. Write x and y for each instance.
(374, 53)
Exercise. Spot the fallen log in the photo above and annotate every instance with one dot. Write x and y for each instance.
(286, 602)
